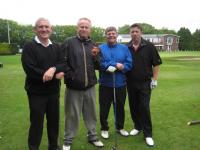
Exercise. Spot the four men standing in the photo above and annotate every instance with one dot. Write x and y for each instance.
(45, 63)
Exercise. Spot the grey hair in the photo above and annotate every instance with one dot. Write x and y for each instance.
(84, 18)
(41, 19)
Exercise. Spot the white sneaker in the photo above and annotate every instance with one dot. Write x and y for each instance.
(97, 143)
(123, 132)
(149, 141)
(66, 147)
(134, 132)
(105, 134)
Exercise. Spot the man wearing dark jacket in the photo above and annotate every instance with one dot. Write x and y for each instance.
(141, 80)
(42, 63)
(80, 83)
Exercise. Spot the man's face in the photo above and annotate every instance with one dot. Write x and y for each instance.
(136, 33)
(84, 29)
(111, 37)
(43, 29)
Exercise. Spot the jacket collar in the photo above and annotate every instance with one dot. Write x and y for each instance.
(83, 40)
(142, 43)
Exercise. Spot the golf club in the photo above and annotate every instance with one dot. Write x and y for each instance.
(115, 113)
(193, 122)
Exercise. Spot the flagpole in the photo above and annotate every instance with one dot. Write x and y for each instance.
(8, 27)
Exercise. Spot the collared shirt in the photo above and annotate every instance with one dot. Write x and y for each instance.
(38, 41)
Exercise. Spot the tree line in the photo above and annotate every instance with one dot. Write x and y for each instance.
(19, 34)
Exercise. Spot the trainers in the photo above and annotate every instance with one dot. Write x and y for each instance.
(97, 143)
(149, 141)
(134, 132)
(66, 147)
(105, 134)
(123, 132)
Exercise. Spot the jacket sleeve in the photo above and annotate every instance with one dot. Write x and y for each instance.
(96, 60)
(61, 64)
(69, 71)
(105, 63)
(128, 64)
(29, 63)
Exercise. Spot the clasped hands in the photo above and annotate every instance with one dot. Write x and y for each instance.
(48, 75)
(112, 69)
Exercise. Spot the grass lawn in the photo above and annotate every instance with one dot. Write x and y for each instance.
(175, 102)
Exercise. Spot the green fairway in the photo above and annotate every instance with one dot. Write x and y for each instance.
(175, 102)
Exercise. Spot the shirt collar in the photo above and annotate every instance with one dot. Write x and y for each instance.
(39, 42)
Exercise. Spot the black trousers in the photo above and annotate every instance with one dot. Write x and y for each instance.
(39, 106)
(106, 98)
(139, 100)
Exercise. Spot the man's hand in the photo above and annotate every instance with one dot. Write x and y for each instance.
(111, 69)
(95, 51)
(120, 66)
(153, 84)
(48, 75)
(60, 75)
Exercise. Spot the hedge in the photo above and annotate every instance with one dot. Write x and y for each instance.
(8, 49)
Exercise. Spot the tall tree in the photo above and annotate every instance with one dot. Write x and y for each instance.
(185, 39)
(196, 40)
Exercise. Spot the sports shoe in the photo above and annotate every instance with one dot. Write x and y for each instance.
(123, 132)
(105, 134)
(66, 147)
(134, 132)
(97, 143)
(149, 141)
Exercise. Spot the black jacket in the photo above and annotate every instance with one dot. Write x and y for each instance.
(36, 60)
(145, 58)
(80, 72)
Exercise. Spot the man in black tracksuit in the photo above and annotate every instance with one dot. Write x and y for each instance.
(43, 64)
(141, 80)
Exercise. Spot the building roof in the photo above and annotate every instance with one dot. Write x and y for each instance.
(148, 35)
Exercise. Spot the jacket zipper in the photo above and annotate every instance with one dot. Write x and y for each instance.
(85, 66)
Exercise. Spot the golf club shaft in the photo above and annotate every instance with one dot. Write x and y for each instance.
(115, 111)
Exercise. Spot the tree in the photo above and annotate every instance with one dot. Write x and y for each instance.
(165, 31)
(147, 28)
(185, 39)
(97, 34)
(196, 39)
(3, 31)
(124, 29)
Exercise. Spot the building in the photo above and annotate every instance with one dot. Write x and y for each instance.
(163, 42)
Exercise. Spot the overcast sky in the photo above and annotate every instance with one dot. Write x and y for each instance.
(171, 14)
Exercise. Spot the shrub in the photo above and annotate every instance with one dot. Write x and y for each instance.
(8, 49)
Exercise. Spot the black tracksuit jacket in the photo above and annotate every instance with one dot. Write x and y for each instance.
(81, 65)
